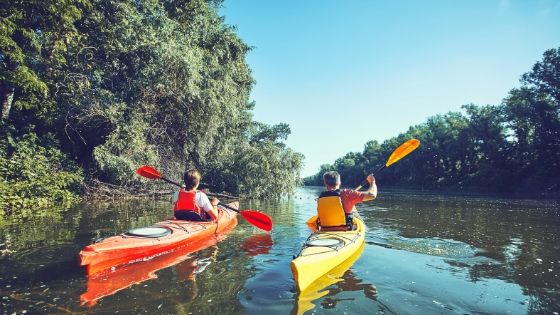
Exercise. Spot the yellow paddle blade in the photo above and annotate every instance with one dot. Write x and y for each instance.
(403, 150)
(312, 223)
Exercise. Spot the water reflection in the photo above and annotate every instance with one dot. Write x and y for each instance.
(258, 244)
(100, 286)
(424, 254)
(328, 287)
(186, 265)
(514, 240)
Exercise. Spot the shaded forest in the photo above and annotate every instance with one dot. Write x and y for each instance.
(513, 147)
(92, 89)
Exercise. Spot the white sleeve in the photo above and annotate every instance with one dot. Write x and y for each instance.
(203, 202)
(175, 196)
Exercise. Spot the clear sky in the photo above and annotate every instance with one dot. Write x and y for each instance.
(343, 72)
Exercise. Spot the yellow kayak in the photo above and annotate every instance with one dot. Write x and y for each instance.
(306, 299)
(323, 251)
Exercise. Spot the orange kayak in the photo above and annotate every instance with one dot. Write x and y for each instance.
(160, 239)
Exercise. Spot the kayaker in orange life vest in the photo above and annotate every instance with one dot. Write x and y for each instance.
(192, 204)
(335, 207)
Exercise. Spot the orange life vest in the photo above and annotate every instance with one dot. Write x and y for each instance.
(187, 202)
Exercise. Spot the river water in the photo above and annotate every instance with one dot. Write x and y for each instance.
(424, 254)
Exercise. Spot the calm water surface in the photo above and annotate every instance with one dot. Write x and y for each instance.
(424, 254)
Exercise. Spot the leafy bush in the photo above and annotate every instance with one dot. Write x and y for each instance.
(125, 149)
(36, 177)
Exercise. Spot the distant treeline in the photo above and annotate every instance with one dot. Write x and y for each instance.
(92, 89)
(513, 147)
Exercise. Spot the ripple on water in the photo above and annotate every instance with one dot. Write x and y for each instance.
(430, 246)
(378, 209)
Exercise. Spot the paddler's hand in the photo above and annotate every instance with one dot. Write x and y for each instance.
(370, 179)
(214, 201)
(371, 193)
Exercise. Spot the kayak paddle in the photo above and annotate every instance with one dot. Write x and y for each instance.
(150, 172)
(400, 152)
(254, 217)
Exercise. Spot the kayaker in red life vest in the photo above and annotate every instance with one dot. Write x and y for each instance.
(193, 204)
(335, 207)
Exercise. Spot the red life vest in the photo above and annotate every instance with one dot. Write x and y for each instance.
(187, 202)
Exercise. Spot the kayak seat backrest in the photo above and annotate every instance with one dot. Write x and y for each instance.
(187, 215)
(330, 212)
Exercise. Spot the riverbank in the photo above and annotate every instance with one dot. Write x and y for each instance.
(462, 193)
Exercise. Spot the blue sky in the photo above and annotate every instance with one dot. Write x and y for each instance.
(341, 73)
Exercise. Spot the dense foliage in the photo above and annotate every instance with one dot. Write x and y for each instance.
(104, 86)
(513, 147)
(35, 176)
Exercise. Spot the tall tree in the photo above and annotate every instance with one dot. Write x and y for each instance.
(35, 37)
(511, 147)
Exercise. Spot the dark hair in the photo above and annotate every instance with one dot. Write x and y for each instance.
(191, 178)
(331, 178)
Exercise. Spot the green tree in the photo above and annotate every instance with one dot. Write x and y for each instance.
(35, 39)
(117, 84)
(317, 179)
(533, 122)
(487, 149)
(544, 77)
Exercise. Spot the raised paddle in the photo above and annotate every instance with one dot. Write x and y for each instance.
(150, 172)
(256, 218)
(400, 152)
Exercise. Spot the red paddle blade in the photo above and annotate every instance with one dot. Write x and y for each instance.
(148, 172)
(258, 219)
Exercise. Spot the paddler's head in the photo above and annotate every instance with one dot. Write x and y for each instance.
(331, 180)
(192, 179)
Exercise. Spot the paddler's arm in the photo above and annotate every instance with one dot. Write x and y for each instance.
(371, 193)
(214, 212)
(210, 205)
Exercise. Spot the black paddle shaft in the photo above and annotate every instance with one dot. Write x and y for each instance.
(365, 181)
